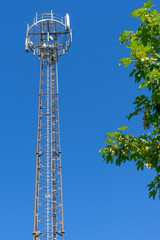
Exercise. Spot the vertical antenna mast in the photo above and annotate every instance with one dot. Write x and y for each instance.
(48, 36)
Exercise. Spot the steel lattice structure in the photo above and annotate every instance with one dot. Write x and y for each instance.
(48, 36)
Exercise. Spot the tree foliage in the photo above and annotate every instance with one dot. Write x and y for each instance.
(144, 46)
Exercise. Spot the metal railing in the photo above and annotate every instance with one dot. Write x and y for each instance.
(47, 16)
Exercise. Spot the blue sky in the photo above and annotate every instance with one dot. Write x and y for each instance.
(100, 201)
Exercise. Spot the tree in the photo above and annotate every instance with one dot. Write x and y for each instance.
(144, 46)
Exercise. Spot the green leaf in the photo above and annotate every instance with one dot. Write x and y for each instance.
(148, 5)
(133, 72)
(123, 128)
(126, 61)
(137, 13)
(134, 113)
(109, 141)
(124, 36)
(143, 85)
(111, 134)
(152, 194)
(140, 165)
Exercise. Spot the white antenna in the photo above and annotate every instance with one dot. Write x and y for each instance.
(67, 21)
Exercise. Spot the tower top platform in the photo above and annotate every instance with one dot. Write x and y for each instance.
(49, 31)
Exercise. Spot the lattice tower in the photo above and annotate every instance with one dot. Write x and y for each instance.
(48, 36)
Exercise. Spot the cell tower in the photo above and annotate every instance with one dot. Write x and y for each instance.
(48, 36)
